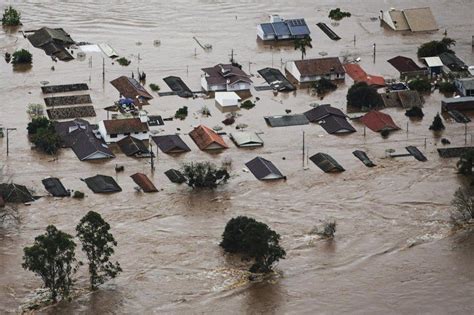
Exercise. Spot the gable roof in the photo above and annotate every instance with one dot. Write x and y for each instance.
(54, 186)
(263, 169)
(144, 182)
(466, 83)
(399, 20)
(171, 144)
(410, 98)
(433, 61)
(336, 124)
(177, 85)
(133, 146)
(11, 192)
(53, 41)
(319, 66)
(204, 137)
(420, 19)
(222, 74)
(404, 64)
(358, 74)
(102, 184)
(246, 139)
(286, 120)
(317, 113)
(452, 61)
(122, 126)
(175, 176)
(378, 121)
(131, 88)
(276, 79)
(361, 155)
(326, 163)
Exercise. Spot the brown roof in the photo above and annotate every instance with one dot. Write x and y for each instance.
(204, 137)
(378, 121)
(144, 182)
(129, 87)
(216, 75)
(404, 64)
(420, 19)
(319, 66)
(128, 125)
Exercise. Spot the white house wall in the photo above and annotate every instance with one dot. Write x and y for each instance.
(293, 70)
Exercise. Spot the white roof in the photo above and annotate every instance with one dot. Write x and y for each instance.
(246, 139)
(433, 62)
(220, 96)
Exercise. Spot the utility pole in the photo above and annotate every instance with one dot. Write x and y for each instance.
(303, 149)
(151, 157)
(354, 40)
(465, 134)
(103, 69)
(232, 56)
(375, 51)
(8, 130)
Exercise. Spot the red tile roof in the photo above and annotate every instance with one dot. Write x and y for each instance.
(204, 137)
(144, 182)
(359, 75)
(378, 121)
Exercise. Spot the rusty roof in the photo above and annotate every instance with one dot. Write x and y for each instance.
(404, 64)
(319, 66)
(205, 137)
(128, 125)
(144, 182)
(378, 121)
(131, 88)
(358, 74)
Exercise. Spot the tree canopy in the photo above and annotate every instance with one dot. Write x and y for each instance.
(465, 163)
(301, 44)
(435, 47)
(52, 257)
(22, 56)
(361, 95)
(324, 86)
(255, 240)
(204, 175)
(437, 124)
(98, 244)
(421, 85)
(11, 17)
(43, 135)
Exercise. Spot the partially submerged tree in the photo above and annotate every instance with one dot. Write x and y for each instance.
(11, 17)
(327, 230)
(47, 140)
(437, 124)
(415, 111)
(447, 87)
(421, 85)
(154, 87)
(36, 124)
(204, 175)
(301, 44)
(337, 14)
(248, 104)
(361, 95)
(465, 163)
(254, 240)
(435, 48)
(324, 86)
(181, 113)
(98, 244)
(52, 258)
(21, 57)
(35, 110)
(463, 204)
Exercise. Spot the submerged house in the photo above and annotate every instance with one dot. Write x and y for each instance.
(102, 184)
(414, 20)
(54, 42)
(332, 119)
(407, 67)
(358, 74)
(171, 144)
(281, 29)
(131, 88)
(54, 186)
(458, 103)
(435, 65)
(311, 70)
(225, 77)
(264, 169)
(132, 146)
(144, 182)
(451, 62)
(227, 101)
(465, 86)
(175, 176)
(207, 139)
(246, 139)
(116, 129)
(378, 121)
(326, 163)
(82, 138)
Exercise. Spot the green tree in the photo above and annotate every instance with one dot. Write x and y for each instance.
(301, 44)
(37, 123)
(204, 175)
(337, 14)
(420, 85)
(11, 17)
(324, 86)
(465, 163)
(437, 124)
(255, 240)
(447, 87)
(435, 47)
(98, 244)
(362, 95)
(22, 56)
(52, 258)
(46, 140)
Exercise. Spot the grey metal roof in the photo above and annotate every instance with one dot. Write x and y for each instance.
(263, 169)
(456, 100)
(246, 139)
(171, 144)
(276, 79)
(322, 111)
(133, 146)
(336, 124)
(286, 120)
(102, 184)
(467, 83)
(361, 155)
(175, 176)
(326, 163)
(452, 61)
(54, 186)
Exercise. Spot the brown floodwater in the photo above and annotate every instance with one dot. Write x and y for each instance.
(394, 251)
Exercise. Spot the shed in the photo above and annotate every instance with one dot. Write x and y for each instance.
(326, 163)
(171, 144)
(264, 169)
(102, 184)
(227, 101)
(286, 120)
(133, 147)
(144, 182)
(378, 121)
(452, 62)
(206, 139)
(434, 64)
(246, 139)
(175, 176)
(54, 186)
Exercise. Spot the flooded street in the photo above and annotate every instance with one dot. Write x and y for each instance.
(394, 251)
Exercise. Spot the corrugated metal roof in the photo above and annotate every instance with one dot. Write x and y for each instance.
(263, 169)
(175, 176)
(267, 29)
(171, 144)
(319, 112)
(286, 120)
(144, 182)
(298, 27)
(326, 163)
(246, 139)
(102, 184)
(54, 186)
(336, 124)
(281, 29)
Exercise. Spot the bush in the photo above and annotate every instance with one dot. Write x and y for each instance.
(154, 87)
(437, 124)
(361, 95)
(415, 111)
(46, 140)
(420, 85)
(324, 86)
(465, 163)
(123, 61)
(435, 48)
(35, 110)
(248, 104)
(337, 14)
(463, 203)
(11, 17)
(447, 87)
(255, 240)
(22, 56)
(181, 113)
(204, 175)
(78, 194)
(37, 123)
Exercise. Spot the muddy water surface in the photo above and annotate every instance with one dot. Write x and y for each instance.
(393, 253)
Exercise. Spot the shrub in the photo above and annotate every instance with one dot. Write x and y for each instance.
(385, 133)
(123, 61)
(248, 104)
(437, 124)
(204, 175)
(465, 163)
(22, 56)
(78, 194)
(35, 110)
(415, 111)
(361, 95)
(37, 123)
(46, 140)
(337, 14)
(11, 17)
(324, 86)
(447, 87)
(255, 240)
(154, 87)
(420, 85)
(327, 230)
(435, 48)
(463, 204)
(181, 113)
